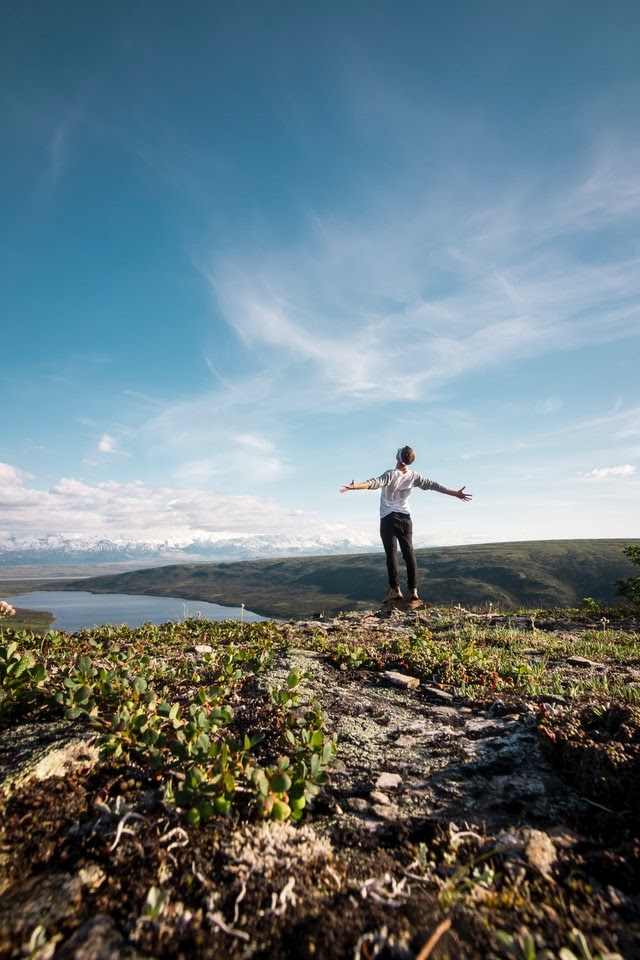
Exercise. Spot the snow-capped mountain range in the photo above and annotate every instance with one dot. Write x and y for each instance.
(57, 549)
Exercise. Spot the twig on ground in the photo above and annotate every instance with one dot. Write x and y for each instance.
(384, 890)
(130, 815)
(219, 921)
(239, 899)
(439, 931)
(183, 840)
(284, 898)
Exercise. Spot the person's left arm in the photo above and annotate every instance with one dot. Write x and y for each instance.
(460, 494)
(426, 484)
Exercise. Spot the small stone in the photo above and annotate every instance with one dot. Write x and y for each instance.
(386, 811)
(377, 796)
(388, 781)
(43, 751)
(482, 726)
(358, 804)
(404, 740)
(92, 876)
(540, 851)
(582, 662)
(439, 694)
(534, 845)
(401, 680)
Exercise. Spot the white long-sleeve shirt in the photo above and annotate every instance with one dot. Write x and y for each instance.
(395, 487)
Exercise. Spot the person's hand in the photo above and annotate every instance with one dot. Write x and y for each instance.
(461, 495)
(347, 486)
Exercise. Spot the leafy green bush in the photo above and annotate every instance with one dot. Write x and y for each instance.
(22, 679)
(631, 588)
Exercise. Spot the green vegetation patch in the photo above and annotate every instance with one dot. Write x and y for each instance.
(177, 714)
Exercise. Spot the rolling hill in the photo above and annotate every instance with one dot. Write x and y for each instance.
(511, 576)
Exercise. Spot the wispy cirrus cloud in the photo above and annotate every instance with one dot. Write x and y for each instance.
(61, 141)
(248, 453)
(384, 307)
(621, 422)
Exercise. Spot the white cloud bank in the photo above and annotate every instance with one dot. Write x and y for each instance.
(178, 515)
(136, 511)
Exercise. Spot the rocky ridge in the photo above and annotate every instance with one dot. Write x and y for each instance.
(446, 820)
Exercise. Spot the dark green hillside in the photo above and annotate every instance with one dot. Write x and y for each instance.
(533, 574)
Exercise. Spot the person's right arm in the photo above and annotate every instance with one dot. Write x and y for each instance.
(374, 484)
(355, 486)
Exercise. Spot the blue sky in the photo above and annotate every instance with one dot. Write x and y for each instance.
(248, 250)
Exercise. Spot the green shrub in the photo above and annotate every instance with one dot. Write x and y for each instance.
(630, 589)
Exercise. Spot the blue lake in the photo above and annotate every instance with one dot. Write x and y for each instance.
(75, 609)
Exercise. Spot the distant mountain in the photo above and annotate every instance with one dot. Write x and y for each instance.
(72, 550)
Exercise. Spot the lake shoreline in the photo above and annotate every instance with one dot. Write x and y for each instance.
(77, 610)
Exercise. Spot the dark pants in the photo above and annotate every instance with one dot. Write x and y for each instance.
(396, 528)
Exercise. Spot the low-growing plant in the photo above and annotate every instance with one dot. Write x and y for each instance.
(349, 655)
(592, 607)
(23, 679)
(282, 789)
(90, 687)
(287, 697)
(174, 714)
(207, 788)
(584, 952)
(522, 946)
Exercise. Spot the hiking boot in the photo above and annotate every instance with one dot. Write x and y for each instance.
(393, 593)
